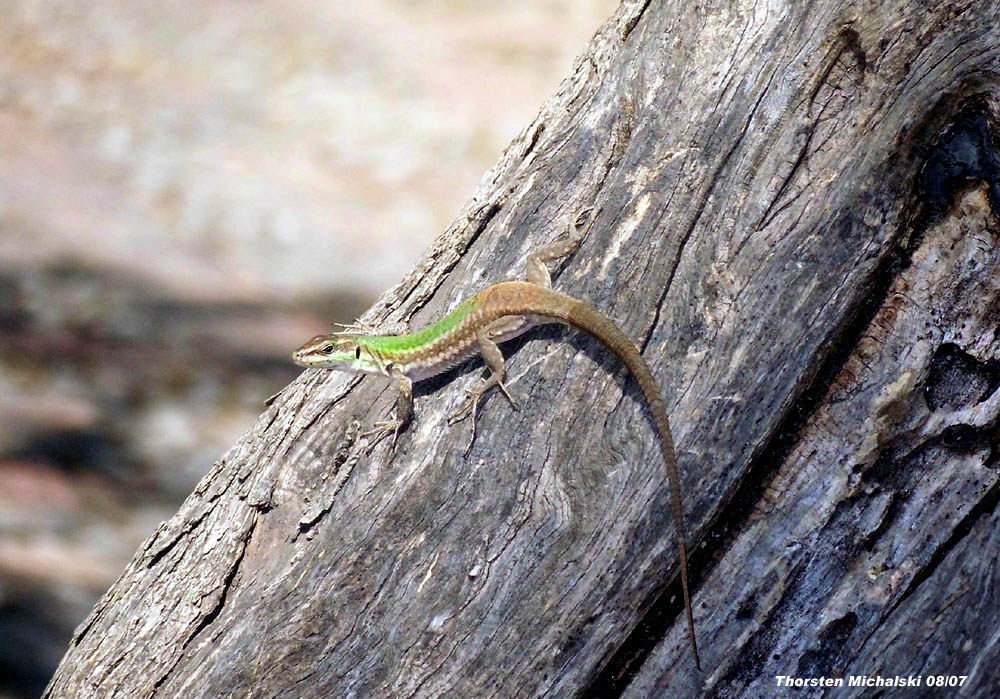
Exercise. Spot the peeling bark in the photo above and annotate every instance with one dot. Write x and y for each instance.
(796, 228)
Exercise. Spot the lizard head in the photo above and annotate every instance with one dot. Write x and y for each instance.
(344, 351)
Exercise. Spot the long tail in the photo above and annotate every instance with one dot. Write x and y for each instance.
(523, 298)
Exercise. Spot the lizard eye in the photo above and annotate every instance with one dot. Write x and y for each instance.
(328, 349)
(357, 352)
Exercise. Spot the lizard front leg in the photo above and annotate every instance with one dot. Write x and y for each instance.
(537, 264)
(404, 411)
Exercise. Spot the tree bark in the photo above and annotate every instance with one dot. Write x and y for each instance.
(796, 229)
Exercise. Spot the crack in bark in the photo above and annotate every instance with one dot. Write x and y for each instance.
(986, 506)
(536, 135)
(849, 43)
(213, 613)
(699, 209)
(634, 20)
(187, 526)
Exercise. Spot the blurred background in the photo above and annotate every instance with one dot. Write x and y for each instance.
(188, 191)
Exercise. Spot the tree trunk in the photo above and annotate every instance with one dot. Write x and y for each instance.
(796, 230)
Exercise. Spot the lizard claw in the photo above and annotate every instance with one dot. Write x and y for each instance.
(510, 399)
(473, 396)
(381, 430)
(470, 406)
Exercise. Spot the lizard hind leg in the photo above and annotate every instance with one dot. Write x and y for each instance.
(493, 358)
(537, 264)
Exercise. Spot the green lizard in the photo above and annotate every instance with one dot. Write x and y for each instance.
(496, 314)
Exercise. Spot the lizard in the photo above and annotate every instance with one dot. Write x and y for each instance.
(477, 325)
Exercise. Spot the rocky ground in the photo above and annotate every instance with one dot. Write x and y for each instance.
(188, 190)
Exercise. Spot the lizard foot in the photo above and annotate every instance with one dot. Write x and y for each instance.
(381, 430)
(470, 406)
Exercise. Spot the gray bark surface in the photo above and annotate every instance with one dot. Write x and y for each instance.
(826, 340)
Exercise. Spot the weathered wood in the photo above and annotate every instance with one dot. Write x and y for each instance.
(865, 555)
(757, 169)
